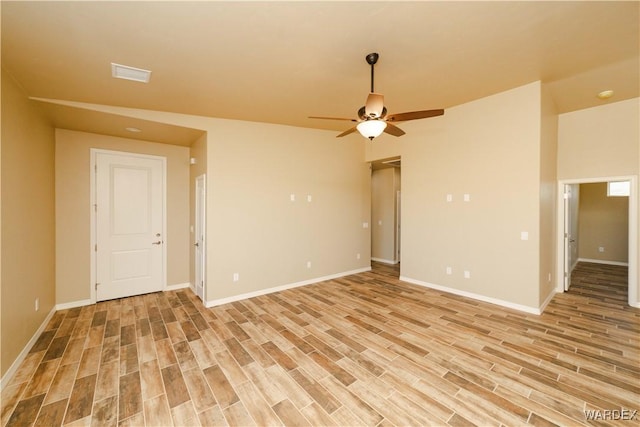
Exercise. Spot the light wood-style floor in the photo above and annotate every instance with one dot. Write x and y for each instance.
(365, 349)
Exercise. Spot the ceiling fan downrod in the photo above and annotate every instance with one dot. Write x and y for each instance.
(372, 58)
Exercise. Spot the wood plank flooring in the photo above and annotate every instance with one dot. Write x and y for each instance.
(365, 349)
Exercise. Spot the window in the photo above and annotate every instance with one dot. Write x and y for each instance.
(618, 188)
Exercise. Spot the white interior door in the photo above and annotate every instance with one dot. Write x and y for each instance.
(571, 192)
(129, 225)
(199, 237)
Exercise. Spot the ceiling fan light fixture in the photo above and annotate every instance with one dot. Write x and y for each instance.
(374, 105)
(371, 128)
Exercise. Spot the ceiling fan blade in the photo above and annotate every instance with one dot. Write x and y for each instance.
(413, 115)
(393, 130)
(332, 118)
(347, 132)
(374, 106)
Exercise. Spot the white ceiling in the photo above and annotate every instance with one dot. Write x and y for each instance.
(280, 62)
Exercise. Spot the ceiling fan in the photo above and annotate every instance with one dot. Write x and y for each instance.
(373, 119)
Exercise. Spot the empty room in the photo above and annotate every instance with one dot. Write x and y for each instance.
(319, 213)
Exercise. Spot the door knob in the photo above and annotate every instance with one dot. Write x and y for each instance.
(196, 244)
(159, 242)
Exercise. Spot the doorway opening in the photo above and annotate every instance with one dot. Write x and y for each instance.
(386, 214)
(571, 250)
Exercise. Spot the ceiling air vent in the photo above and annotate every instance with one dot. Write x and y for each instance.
(130, 73)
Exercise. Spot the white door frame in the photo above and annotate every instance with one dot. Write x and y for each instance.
(200, 228)
(398, 224)
(93, 219)
(633, 232)
(569, 201)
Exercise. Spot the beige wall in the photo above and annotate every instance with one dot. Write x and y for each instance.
(600, 142)
(384, 184)
(253, 227)
(28, 230)
(72, 160)
(548, 198)
(603, 222)
(491, 150)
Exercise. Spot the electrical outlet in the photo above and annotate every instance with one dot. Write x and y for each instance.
(467, 274)
(236, 277)
(308, 264)
(600, 248)
(37, 304)
(357, 256)
(449, 271)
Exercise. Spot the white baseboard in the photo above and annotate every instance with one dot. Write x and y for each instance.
(177, 286)
(507, 304)
(603, 261)
(546, 302)
(74, 304)
(82, 303)
(384, 261)
(248, 295)
(6, 379)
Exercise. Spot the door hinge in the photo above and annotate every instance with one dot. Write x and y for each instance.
(97, 285)
(95, 247)
(95, 207)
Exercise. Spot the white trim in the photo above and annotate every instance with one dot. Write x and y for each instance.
(248, 295)
(74, 304)
(177, 286)
(507, 304)
(384, 261)
(6, 379)
(634, 298)
(603, 261)
(92, 214)
(200, 181)
(546, 302)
